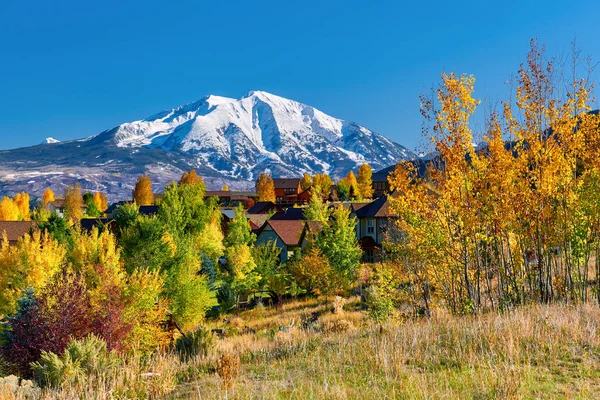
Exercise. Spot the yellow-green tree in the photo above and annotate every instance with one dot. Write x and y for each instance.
(306, 181)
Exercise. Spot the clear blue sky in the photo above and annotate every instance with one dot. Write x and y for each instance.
(70, 69)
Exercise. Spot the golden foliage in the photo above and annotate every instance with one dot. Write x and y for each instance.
(22, 202)
(190, 178)
(265, 188)
(365, 182)
(73, 203)
(48, 197)
(9, 210)
(143, 194)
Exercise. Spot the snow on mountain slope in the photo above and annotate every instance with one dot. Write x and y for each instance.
(228, 141)
(240, 138)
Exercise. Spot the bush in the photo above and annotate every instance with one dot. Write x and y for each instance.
(197, 343)
(80, 359)
(13, 388)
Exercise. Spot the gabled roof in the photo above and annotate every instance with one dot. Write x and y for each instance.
(286, 183)
(291, 213)
(113, 206)
(379, 208)
(256, 221)
(58, 203)
(289, 231)
(15, 230)
(89, 223)
(262, 207)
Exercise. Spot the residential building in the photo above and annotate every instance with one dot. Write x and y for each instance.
(373, 223)
(58, 206)
(287, 190)
(15, 230)
(287, 235)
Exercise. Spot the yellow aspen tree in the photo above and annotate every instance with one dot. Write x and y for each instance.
(365, 181)
(22, 201)
(306, 181)
(9, 210)
(190, 177)
(73, 203)
(265, 188)
(48, 197)
(322, 184)
(225, 188)
(143, 194)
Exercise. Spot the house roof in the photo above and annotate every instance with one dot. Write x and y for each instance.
(262, 207)
(113, 206)
(15, 230)
(58, 203)
(89, 223)
(256, 221)
(228, 212)
(314, 226)
(379, 208)
(291, 213)
(289, 231)
(286, 183)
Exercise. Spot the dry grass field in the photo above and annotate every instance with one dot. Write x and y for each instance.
(546, 352)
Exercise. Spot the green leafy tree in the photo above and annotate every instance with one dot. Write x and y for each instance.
(317, 209)
(145, 245)
(126, 215)
(266, 256)
(339, 244)
(91, 208)
(343, 191)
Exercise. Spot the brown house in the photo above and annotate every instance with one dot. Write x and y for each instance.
(15, 230)
(287, 190)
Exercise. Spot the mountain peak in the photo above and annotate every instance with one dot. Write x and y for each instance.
(226, 140)
(50, 140)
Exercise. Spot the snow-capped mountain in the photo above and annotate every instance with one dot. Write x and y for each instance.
(227, 140)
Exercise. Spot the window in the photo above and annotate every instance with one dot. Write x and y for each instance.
(370, 226)
(292, 191)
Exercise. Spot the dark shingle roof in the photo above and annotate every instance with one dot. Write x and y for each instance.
(262, 207)
(379, 208)
(286, 183)
(289, 214)
(15, 230)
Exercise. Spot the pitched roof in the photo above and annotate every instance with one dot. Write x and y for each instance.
(89, 223)
(256, 221)
(15, 230)
(262, 207)
(291, 213)
(289, 231)
(58, 203)
(314, 226)
(286, 183)
(379, 208)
